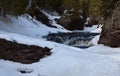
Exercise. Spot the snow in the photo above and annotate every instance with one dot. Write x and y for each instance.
(52, 18)
(27, 26)
(93, 29)
(94, 41)
(98, 60)
(65, 61)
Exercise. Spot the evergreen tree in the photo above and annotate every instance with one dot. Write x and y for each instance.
(94, 7)
(12, 7)
(85, 4)
(50, 4)
(72, 6)
(107, 7)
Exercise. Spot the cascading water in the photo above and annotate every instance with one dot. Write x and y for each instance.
(76, 39)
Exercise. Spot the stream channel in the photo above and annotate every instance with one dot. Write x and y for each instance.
(75, 39)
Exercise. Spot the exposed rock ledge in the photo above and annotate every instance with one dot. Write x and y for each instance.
(22, 53)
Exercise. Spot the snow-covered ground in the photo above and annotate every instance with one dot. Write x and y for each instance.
(25, 25)
(98, 60)
(64, 61)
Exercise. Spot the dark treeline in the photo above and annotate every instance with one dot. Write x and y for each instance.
(85, 8)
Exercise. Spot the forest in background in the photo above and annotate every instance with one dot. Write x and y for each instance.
(85, 8)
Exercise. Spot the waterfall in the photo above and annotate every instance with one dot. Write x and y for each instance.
(76, 39)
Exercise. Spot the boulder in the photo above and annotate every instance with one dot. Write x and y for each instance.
(71, 24)
(71, 21)
(22, 53)
(91, 22)
(110, 35)
(35, 12)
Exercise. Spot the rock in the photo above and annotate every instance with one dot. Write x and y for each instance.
(22, 53)
(70, 21)
(110, 35)
(91, 22)
(40, 16)
(71, 24)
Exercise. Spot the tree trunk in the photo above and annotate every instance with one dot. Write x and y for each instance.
(29, 4)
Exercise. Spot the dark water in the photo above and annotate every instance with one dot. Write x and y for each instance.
(76, 39)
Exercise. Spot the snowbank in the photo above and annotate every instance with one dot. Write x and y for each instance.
(27, 26)
(65, 61)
